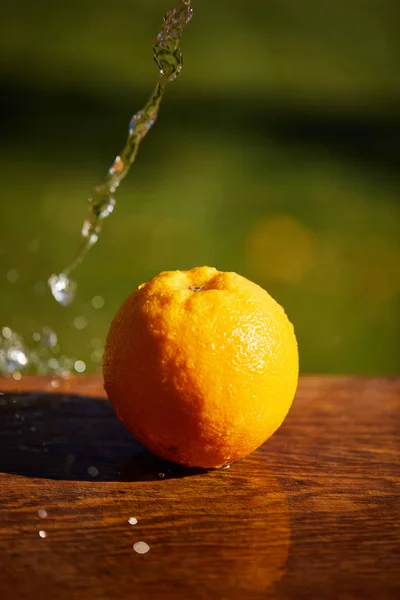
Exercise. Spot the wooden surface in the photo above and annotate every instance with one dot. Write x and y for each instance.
(313, 514)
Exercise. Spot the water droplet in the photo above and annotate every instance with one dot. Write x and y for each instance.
(6, 332)
(48, 337)
(118, 166)
(108, 208)
(54, 383)
(15, 358)
(42, 513)
(133, 122)
(93, 471)
(132, 521)
(86, 227)
(42, 534)
(93, 239)
(80, 322)
(36, 336)
(80, 366)
(12, 276)
(62, 288)
(17, 376)
(161, 475)
(53, 364)
(98, 302)
(226, 467)
(141, 547)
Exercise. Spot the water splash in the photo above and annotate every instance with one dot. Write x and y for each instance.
(168, 57)
(14, 357)
(42, 356)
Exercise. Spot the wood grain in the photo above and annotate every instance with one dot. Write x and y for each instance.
(313, 514)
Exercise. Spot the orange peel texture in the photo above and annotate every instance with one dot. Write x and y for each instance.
(201, 366)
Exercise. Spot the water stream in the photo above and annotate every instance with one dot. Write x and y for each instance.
(168, 57)
(43, 355)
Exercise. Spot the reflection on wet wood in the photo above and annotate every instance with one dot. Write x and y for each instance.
(314, 513)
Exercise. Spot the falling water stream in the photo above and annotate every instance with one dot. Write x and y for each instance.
(168, 56)
(45, 357)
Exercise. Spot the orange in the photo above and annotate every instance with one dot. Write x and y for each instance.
(201, 366)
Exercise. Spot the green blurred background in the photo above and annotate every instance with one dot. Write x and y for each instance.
(276, 155)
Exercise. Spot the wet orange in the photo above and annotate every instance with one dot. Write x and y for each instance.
(201, 366)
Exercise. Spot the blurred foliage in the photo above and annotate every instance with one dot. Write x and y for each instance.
(275, 155)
